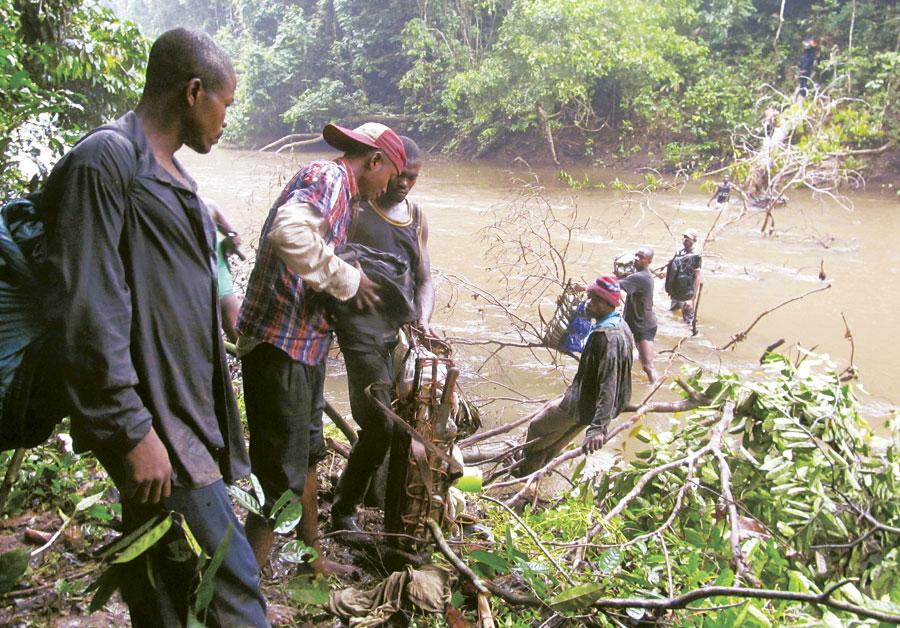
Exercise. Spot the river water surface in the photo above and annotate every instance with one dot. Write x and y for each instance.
(745, 272)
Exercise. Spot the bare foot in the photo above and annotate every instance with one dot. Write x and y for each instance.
(280, 615)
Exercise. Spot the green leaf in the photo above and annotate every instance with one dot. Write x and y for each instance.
(725, 579)
(206, 588)
(577, 598)
(309, 590)
(87, 502)
(757, 616)
(296, 551)
(126, 540)
(491, 559)
(12, 566)
(258, 490)
(288, 518)
(145, 541)
(101, 512)
(245, 499)
(285, 497)
(637, 614)
(104, 586)
(610, 559)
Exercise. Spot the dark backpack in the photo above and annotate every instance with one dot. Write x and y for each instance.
(680, 277)
(32, 401)
(30, 388)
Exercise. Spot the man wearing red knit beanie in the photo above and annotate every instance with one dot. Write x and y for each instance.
(599, 392)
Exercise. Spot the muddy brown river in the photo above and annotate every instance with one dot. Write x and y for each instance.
(745, 272)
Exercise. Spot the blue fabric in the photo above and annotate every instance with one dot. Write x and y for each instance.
(613, 320)
(578, 330)
(158, 588)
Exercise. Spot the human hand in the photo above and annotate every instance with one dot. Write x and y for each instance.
(366, 297)
(579, 287)
(593, 442)
(148, 471)
(426, 328)
(236, 238)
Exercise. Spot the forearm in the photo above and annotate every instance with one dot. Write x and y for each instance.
(425, 300)
(296, 234)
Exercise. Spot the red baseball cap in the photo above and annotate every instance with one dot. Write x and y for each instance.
(369, 134)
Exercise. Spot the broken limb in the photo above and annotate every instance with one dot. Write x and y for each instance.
(482, 586)
(533, 536)
(741, 336)
(851, 372)
(823, 599)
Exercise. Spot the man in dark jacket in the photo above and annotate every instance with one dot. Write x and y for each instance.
(131, 267)
(598, 393)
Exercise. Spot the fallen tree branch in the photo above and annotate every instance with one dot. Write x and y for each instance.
(290, 138)
(451, 556)
(683, 600)
(533, 536)
(739, 337)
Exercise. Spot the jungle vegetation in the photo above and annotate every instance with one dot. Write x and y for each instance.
(588, 81)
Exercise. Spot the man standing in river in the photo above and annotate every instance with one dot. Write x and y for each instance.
(639, 313)
(389, 224)
(283, 335)
(598, 393)
(683, 276)
(131, 269)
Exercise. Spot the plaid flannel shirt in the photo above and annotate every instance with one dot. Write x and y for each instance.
(279, 308)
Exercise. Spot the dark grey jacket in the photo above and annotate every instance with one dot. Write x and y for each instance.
(132, 293)
(602, 384)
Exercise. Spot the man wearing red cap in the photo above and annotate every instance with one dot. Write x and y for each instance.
(599, 392)
(283, 334)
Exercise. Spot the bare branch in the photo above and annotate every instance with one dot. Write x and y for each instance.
(739, 337)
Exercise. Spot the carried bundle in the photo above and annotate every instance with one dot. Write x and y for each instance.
(425, 460)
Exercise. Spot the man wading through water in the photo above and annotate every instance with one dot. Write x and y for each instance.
(132, 271)
(683, 277)
(393, 232)
(283, 335)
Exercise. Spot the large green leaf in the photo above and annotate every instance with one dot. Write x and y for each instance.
(309, 590)
(288, 518)
(491, 559)
(296, 551)
(145, 541)
(12, 565)
(206, 588)
(577, 598)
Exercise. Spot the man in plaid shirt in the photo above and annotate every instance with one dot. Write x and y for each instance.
(283, 335)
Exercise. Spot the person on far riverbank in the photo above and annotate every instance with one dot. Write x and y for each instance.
(598, 393)
(283, 335)
(639, 313)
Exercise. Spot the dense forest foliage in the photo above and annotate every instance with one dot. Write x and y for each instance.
(65, 67)
(563, 80)
(673, 78)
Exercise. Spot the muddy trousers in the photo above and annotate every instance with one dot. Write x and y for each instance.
(548, 434)
(367, 455)
(157, 587)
